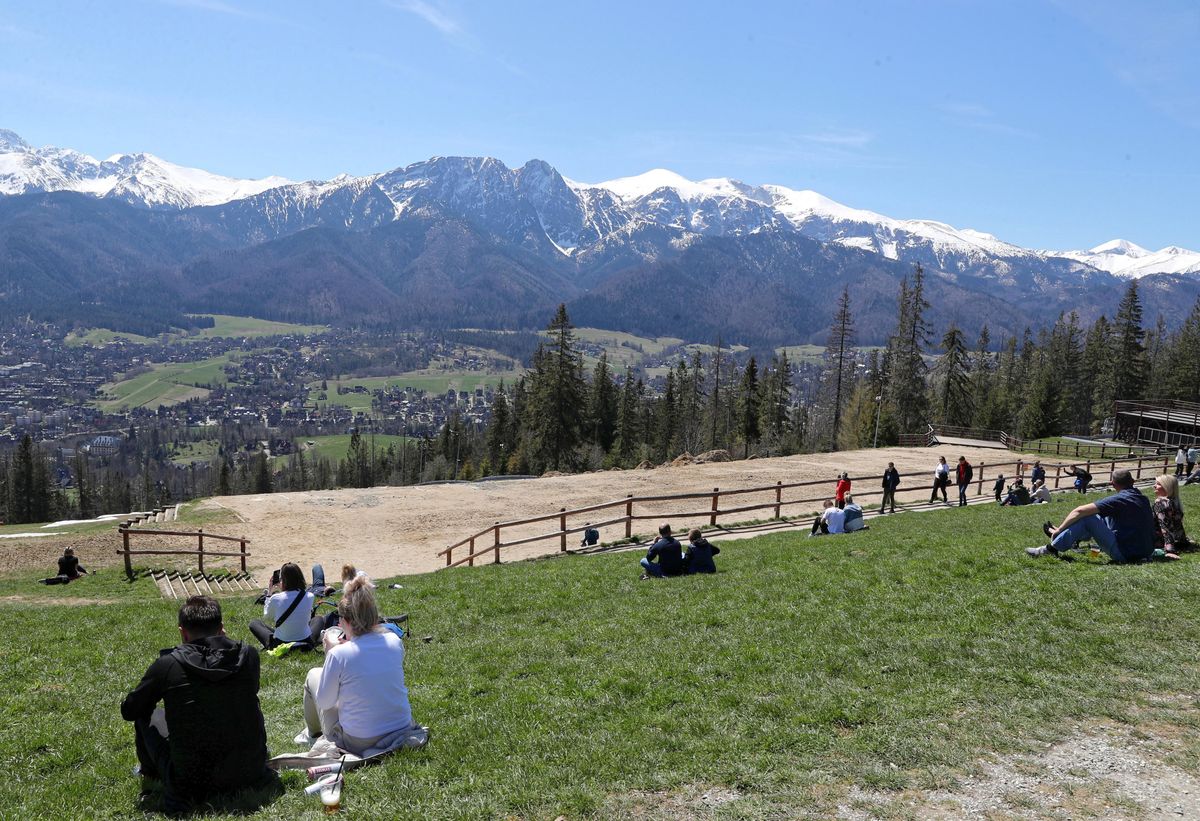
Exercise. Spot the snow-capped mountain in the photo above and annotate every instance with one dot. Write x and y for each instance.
(138, 179)
(593, 227)
(1125, 259)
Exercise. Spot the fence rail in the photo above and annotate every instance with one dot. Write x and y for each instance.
(490, 541)
(127, 551)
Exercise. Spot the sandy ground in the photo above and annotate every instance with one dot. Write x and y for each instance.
(393, 530)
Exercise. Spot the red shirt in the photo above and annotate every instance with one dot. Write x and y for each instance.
(843, 487)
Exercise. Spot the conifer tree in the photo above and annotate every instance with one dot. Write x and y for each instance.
(262, 474)
(907, 384)
(497, 434)
(664, 429)
(749, 401)
(1097, 364)
(955, 394)
(839, 361)
(557, 398)
(602, 405)
(1183, 373)
(1129, 355)
(628, 429)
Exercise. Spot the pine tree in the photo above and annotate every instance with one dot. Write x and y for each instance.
(907, 384)
(1097, 364)
(839, 361)
(748, 405)
(1183, 379)
(664, 427)
(955, 395)
(602, 405)
(1129, 355)
(628, 427)
(557, 398)
(497, 433)
(262, 474)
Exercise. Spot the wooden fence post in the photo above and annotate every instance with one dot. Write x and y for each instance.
(496, 542)
(449, 555)
(778, 497)
(1139, 468)
(243, 544)
(1057, 476)
(471, 554)
(1088, 466)
(712, 519)
(200, 546)
(562, 525)
(128, 563)
(979, 486)
(629, 516)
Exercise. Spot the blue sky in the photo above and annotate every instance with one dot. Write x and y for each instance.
(1050, 124)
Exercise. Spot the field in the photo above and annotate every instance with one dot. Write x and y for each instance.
(204, 450)
(238, 327)
(925, 667)
(430, 381)
(334, 447)
(165, 384)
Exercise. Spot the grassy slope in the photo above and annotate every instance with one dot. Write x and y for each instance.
(889, 659)
(165, 383)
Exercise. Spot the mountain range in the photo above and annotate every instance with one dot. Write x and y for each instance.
(468, 241)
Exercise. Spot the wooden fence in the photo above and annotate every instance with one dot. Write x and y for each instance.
(199, 551)
(491, 540)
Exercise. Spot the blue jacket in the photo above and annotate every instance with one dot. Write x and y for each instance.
(669, 553)
(700, 556)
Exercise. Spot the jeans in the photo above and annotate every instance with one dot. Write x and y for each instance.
(1095, 528)
(962, 495)
(652, 569)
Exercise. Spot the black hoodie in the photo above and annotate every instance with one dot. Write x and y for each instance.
(209, 688)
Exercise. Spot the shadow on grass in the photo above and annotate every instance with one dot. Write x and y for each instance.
(242, 802)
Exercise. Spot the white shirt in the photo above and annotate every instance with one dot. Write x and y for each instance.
(364, 679)
(835, 518)
(296, 626)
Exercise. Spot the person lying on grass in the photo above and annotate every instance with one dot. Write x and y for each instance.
(358, 697)
(69, 569)
(667, 550)
(1121, 525)
(699, 555)
(831, 520)
(208, 738)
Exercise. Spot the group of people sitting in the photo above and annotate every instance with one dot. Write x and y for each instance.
(1125, 526)
(834, 519)
(667, 557)
(209, 738)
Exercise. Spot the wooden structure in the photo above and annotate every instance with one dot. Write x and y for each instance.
(174, 584)
(199, 535)
(795, 496)
(1159, 422)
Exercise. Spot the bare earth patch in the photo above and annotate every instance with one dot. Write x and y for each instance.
(396, 530)
(1103, 770)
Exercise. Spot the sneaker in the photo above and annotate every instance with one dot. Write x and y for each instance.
(1046, 528)
(304, 739)
(643, 577)
(1041, 550)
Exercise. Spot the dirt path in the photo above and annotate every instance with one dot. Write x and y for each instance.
(394, 530)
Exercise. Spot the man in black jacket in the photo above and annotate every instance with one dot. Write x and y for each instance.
(891, 481)
(210, 738)
(669, 553)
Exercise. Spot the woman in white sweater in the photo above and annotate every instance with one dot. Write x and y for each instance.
(358, 696)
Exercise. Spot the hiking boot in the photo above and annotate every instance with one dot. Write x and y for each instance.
(1041, 550)
(1052, 550)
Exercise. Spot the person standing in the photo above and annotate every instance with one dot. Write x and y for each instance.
(941, 478)
(998, 488)
(843, 487)
(208, 738)
(963, 473)
(891, 481)
(1180, 461)
(1038, 474)
(1191, 458)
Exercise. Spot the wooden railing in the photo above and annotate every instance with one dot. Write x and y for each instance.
(491, 540)
(1083, 450)
(199, 535)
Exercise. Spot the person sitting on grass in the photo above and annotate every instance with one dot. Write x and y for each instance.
(358, 700)
(1121, 525)
(831, 520)
(699, 555)
(852, 519)
(1169, 535)
(289, 611)
(1194, 478)
(1041, 493)
(208, 738)
(69, 569)
(591, 536)
(1017, 495)
(668, 551)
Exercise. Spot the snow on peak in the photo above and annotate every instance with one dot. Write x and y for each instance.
(11, 141)
(1120, 246)
(634, 188)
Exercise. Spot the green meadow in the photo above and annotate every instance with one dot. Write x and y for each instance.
(430, 381)
(888, 660)
(165, 384)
